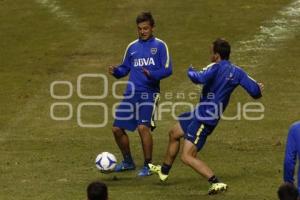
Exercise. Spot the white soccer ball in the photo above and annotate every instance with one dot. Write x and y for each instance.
(106, 162)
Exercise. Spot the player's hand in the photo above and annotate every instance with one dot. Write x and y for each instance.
(191, 67)
(146, 72)
(111, 69)
(261, 86)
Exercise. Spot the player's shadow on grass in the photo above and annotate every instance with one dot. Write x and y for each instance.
(164, 184)
(116, 178)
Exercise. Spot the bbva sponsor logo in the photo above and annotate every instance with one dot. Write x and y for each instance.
(140, 62)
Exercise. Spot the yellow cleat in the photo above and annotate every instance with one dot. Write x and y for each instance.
(156, 169)
(216, 188)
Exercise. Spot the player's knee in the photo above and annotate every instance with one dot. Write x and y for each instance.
(143, 129)
(171, 134)
(174, 134)
(185, 158)
(116, 130)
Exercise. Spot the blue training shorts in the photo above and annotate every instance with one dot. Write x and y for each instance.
(136, 110)
(194, 130)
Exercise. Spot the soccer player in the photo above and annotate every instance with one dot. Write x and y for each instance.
(147, 61)
(219, 79)
(291, 152)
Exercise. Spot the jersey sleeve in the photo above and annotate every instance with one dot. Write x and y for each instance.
(203, 76)
(250, 85)
(123, 69)
(165, 68)
(290, 156)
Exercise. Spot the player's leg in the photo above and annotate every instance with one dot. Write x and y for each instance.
(147, 142)
(147, 145)
(123, 120)
(194, 141)
(189, 157)
(175, 134)
(146, 109)
(122, 141)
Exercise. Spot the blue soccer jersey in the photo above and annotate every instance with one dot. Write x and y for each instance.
(292, 149)
(219, 80)
(153, 55)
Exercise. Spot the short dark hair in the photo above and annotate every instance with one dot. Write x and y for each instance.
(287, 191)
(145, 17)
(222, 47)
(97, 191)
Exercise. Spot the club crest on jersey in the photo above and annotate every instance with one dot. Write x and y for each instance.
(140, 62)
(153, 51)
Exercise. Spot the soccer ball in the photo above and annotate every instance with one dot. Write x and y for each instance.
(106, 162)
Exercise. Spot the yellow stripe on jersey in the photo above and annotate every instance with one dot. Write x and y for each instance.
(154, 108)
(199, 133)
(168, 57)
(128, 48)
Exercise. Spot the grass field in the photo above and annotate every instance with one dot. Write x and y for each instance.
(48, 40)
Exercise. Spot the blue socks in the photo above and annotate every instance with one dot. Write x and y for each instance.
(128, 158)
(165, 168)
(213, 179)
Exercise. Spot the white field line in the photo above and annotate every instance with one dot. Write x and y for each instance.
(54, 7)
(248, 53)
(272, 34)
(65, 17)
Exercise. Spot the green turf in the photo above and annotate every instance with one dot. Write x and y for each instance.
(46, 159)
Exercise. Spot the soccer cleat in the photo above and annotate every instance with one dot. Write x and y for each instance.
(145, 171)
(124, 166)
(156, 169)
(217, 188)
